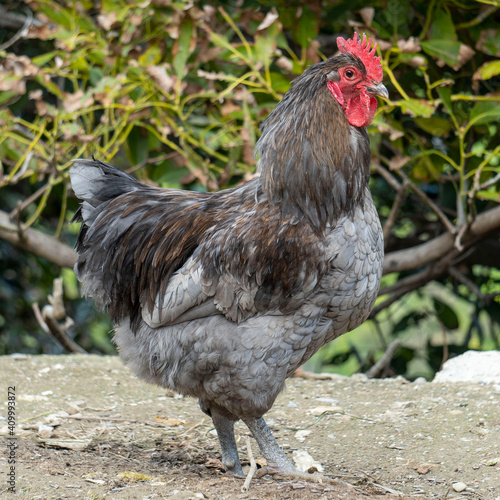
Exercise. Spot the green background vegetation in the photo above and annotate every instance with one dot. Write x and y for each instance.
(175, 92)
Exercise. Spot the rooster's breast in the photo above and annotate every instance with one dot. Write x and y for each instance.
(357, 253)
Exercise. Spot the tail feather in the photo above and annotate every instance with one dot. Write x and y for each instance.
(96, 182)
(133, 237)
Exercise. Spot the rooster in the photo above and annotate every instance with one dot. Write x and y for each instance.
(222, 296)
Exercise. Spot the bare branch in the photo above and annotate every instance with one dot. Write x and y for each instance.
(21, 33)
(384, 360)
(28, 201)
(389, 178)
(417, 256)
(11, 20)
(37, 242)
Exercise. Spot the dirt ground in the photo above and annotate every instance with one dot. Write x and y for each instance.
(87, 429)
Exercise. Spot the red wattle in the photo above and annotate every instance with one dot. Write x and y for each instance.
(360, 110)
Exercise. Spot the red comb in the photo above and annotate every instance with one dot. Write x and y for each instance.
(361, 49)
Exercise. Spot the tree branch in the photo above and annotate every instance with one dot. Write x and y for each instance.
(412, 258)
(36, 242)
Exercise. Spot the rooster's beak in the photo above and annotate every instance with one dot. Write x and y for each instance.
(379, 90)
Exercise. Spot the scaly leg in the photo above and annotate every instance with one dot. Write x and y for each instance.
(225, 432)
(277, 461)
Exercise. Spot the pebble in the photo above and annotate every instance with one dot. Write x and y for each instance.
(420, 380)
(301, 435)
(304, 462)
(458, 487)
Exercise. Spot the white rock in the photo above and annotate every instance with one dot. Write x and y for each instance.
(472, 366)
(304, 462)
(458, 487)
(301, 435)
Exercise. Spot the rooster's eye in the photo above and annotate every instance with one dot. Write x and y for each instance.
(349, 74)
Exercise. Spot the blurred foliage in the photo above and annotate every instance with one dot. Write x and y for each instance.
(175, 91)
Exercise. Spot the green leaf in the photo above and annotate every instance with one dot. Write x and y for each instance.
(445, 314)
(487, 71)
(485, 112)
(489, 42)
(183, 46)
(435, 126)
(447, 50)
(6, 95)
(442, 27)
(307, 28)
(279, 82)
(265, 44)
(415, 107)
(445, 94)
(152, 56)
(488, 195)
(44, 58)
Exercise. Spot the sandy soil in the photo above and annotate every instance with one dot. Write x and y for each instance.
(86, 429)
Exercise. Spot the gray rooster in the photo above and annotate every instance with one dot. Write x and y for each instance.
(222, 296)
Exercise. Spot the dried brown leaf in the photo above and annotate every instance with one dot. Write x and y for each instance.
(161, 77)
(483, 45)
(107, 21)
(172, 422)
(396, 162)
(464, 55)
(410, 45)
(271, 16)
(367, 14)
(76, 101)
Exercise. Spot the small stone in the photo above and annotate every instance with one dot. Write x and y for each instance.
(301, 435)
(420, 380)
(492, 461)
(304, 462)
(45, 431)
(75, 407)
(459, 487)
(319, 410)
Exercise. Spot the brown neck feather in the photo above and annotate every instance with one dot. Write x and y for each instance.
(313, 163)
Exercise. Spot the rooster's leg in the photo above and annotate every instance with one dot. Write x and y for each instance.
(225, 431)
(277, 462)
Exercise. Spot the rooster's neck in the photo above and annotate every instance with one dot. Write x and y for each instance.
(313, 163)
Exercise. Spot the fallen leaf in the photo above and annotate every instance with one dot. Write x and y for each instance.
(173, 422)
(134, 477)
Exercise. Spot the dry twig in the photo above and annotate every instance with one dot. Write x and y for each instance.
(52, 314)
(253, 467)
(21, 33)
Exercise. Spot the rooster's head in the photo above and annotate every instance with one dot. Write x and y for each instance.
(357, 80)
